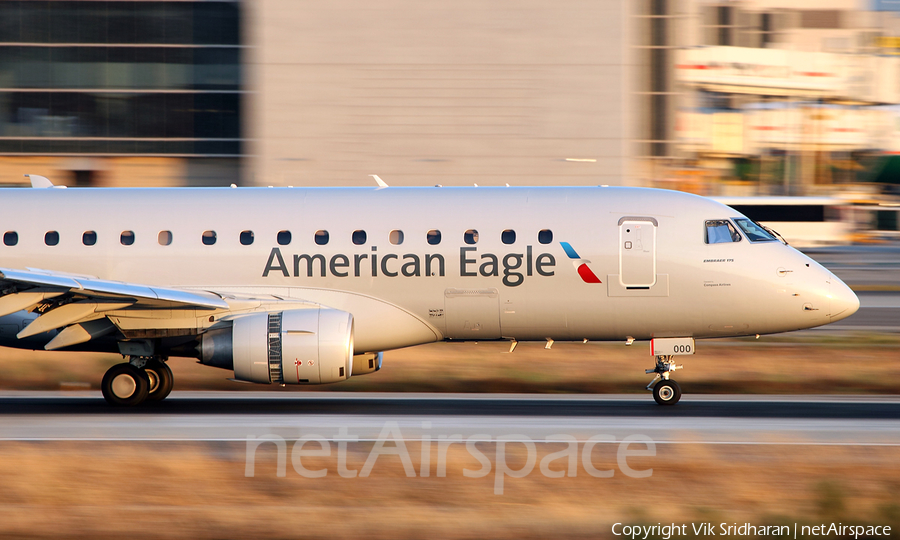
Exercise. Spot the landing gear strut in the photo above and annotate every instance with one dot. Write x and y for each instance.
(665, 390)
(131, 383)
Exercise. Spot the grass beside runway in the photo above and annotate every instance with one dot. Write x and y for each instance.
(201, 491)
(800, 363)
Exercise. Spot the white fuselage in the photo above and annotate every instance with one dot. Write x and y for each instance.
(657, 275)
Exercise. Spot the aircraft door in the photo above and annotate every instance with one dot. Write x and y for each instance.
(637, 252)
(472, 313)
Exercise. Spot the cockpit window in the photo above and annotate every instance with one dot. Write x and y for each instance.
(754, 231)
(719, 231)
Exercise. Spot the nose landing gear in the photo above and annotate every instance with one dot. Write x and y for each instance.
(665, 390)
(138, 380)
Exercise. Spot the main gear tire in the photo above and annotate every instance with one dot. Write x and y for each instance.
(125, 385)
(161, 380)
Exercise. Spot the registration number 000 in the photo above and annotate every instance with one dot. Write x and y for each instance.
(671, 346)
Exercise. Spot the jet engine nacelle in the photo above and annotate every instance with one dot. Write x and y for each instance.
(298, 346)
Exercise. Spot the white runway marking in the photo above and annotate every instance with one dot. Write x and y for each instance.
(432, 441)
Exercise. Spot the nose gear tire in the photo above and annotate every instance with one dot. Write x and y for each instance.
(667, 392)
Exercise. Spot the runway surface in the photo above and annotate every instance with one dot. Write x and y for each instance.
(235, 416)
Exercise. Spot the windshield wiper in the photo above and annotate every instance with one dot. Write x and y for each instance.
(773, 232)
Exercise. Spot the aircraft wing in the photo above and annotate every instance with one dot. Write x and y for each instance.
(77, 303)
(56, 283)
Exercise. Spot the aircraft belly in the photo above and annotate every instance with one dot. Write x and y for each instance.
(472, 313)
(379, 324)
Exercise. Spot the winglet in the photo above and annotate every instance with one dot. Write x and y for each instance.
(41, 182)
(379, 181)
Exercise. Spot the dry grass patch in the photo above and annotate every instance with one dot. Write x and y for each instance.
(198, 490)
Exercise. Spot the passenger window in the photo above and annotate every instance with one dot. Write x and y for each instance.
(545, 236)
(51, 238)
(246, 238)
(209, 238)
(89, 238)
(359, 237)
(284, 238)
(719, 231)
(433, 237)
(127, 238)
(508, 236)
(10, 238)
(396, 237)
(321, 238)
(164, 238)
(470, 236)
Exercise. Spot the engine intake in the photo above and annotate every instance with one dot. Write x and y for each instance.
(298, 346)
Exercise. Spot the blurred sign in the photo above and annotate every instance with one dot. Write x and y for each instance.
(888, 42)
(788, 125)
(776, 72)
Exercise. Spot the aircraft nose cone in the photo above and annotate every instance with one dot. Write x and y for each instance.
(844, 301)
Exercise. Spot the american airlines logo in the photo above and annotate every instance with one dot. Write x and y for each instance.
(513, 268)
(581, 265)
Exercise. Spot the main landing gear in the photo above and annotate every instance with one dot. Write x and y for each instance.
(138, 380)
(665, 390)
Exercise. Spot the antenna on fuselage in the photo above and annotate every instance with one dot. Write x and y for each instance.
(41, 182)
(379, 181)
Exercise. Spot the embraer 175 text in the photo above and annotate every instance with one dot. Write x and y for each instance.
(310, 286)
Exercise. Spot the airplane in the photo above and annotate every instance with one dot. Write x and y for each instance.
(311, 285)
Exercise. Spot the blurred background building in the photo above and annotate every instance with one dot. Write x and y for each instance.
(784, 101)
(735, 98)
(425, 92)
(792, 99)
(121, 93)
